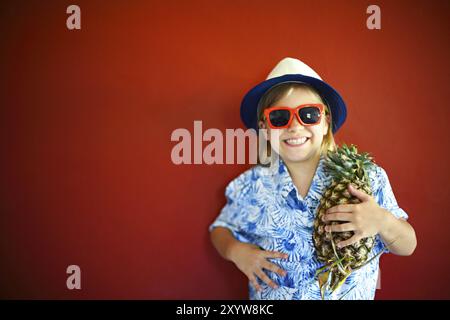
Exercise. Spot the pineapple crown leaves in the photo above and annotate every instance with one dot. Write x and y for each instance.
(346, 164)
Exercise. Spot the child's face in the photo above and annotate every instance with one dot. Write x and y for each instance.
(291, 152)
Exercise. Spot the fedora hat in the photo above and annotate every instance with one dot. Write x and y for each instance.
(293, 70)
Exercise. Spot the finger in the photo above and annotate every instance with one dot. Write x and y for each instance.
(266, 279)
(255, 284)
(275, 254)
(274, 268)
(341, 208)
(350, 241)
(340, 227)
(361, 195)
(339, 216)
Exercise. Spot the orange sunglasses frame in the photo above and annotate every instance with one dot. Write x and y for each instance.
(293, 111)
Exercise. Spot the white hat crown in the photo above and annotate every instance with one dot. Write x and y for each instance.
(292, 66)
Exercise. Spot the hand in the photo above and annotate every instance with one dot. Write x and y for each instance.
(251, 260)
(365, 219)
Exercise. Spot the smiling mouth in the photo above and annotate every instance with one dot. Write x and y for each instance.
(296, 142)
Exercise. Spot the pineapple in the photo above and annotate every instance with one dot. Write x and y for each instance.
(346, 166)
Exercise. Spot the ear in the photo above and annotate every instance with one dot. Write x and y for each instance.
(262, 125)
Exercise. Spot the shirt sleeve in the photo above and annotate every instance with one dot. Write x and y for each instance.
(385, 198)
(233, 214)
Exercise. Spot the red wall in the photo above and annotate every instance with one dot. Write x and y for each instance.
(86, 119)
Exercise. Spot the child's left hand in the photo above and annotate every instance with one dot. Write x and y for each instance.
(365, 219)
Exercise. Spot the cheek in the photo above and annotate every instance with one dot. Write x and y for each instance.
(275, 134)
(324, 124)
(319, 132)
(322, 127)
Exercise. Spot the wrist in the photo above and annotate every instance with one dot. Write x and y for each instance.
(230, 252)
(387, 220)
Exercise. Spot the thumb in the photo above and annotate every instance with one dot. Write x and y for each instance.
(361, 195)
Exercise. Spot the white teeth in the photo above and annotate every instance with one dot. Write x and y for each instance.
(297, 141)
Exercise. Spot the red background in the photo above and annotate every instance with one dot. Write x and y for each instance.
(86, 119)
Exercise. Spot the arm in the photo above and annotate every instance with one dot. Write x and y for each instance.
(367, 219)
(249, 258)
(223, 241)
(398, 235)
(229, 237)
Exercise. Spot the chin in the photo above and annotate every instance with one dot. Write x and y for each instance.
(292, 156)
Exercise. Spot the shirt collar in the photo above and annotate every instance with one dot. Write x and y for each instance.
(285, 185)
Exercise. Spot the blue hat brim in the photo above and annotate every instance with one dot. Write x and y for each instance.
(335, 102)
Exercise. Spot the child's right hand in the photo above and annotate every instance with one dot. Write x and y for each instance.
(251, 260)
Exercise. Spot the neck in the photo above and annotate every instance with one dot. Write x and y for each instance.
(303, 172)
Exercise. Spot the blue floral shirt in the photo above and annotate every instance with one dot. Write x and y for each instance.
(264, 208)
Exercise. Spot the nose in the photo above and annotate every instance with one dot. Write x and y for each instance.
(295, 125)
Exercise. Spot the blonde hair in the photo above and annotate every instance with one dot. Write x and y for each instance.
(274, 94)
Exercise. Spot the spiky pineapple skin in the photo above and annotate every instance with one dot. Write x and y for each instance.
(337, 193)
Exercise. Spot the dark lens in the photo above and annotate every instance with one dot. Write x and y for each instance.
(279, 118)
(309, 115)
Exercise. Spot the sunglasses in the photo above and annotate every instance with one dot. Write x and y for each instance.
(281, 117)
